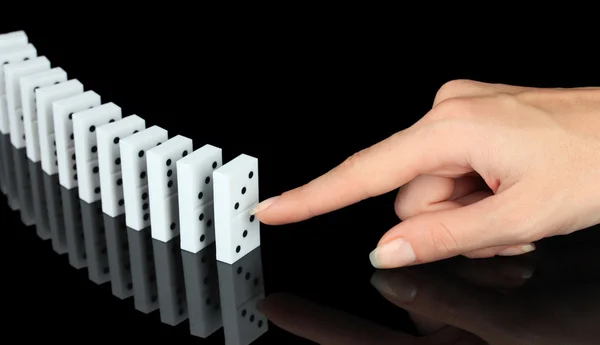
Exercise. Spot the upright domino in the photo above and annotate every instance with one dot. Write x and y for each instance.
(45, 98)
(12, 75)
(235, 194)
(135, 174)
(162, 179)
(6, 41)
(14, 38)
(29, 85)
(86, 149)
(109, 156)
(196, 213)
(63, 111)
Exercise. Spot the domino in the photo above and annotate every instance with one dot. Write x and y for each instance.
(56, 214)
(86, 149)
(196, 213)
(14, 38)
(241, 286)
(109, 157)
(12, 74)
(143, 274)
(45, 97)
(135, 175)
(162, 179)
(63, 111)
(73, 227)
(94, 236)
(29, 85)
(118, 256)
(170, 282)
(9, 55)
(235, 194)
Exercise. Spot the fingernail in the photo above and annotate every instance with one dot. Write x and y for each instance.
(396, 253)
(264, 205)
(517, 250)
(402, 289)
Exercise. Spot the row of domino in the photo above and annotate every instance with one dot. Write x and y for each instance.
(140, 172)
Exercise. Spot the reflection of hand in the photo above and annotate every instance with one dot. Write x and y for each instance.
(489, 170)
(543, 314)
(518, 300)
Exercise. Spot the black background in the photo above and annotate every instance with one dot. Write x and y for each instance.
(300, 96)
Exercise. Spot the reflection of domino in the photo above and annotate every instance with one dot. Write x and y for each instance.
(162, 179)
(86, 149)
(45, 98)
(109, 157)
(196, 215)
(135, 176)
(63, 111)
(29, 87)
(235, 194)
(9, 56)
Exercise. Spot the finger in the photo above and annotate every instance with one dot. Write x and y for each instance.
(427, 193)
(472, 88)
(438, 235)
(325, 325)
(376, 170)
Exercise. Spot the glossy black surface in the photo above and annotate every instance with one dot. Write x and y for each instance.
(300, 105)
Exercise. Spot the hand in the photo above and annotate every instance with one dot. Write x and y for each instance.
(488, 171)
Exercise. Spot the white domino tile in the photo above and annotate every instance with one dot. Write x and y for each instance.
(235, 194)
(86, 149)
(63, 111)
(14, 38)
(8, 40)
(45, 99)
(162, 179)
(109, 155)
(135, 174)
(196, 213)
(13, 54)
(29, 86)
(12, 74)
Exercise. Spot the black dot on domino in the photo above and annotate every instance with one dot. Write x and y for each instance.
(184, 153)
(118, 161)
(170, 184)
(145, 206)
(207, 180)
(95, 170)
(71, 116)
(144, 196)
(202, 238)
(141, 154)
(209, 223)
(116, 140)
(168, 162)
(169, 173)
(143, 175)
(251, 174)
(121, 202)
(92, 128)
(214, 165)
(201, 216)
(237, 205)
(200, 195)
(244, 190)
(94, 149)
(251, 218)
(173, 226)
(111, 121)
(146, 216)
(237, 249)
(119, 182)
(245, 233)
(97, 190)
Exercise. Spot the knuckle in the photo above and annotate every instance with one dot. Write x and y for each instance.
(452, 108)
(401, 206)
(443, 241)
(453, 88)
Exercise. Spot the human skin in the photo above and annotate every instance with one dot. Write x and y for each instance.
(489, 170)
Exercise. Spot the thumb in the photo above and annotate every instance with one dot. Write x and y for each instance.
(433, 236)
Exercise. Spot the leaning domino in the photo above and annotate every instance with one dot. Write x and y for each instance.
(135, 176)
(235, 194)
(196, 214)
(109, 156)
(63, 111)
(86, 149)
(45, 98)
(162, 179)
(12, 87)
(6, 41)
(29, 85)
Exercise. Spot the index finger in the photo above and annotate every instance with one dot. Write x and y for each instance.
(373, 171)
